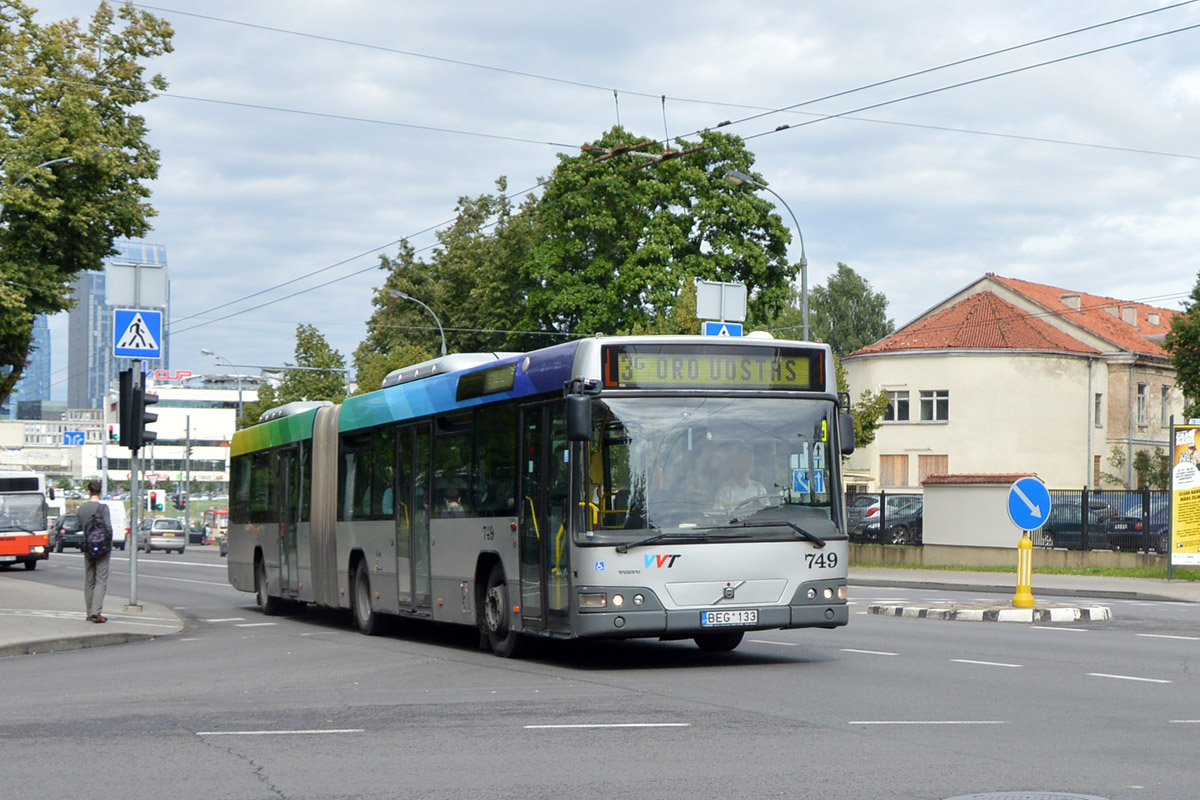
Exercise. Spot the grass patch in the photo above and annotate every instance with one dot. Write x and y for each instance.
(1178, 573)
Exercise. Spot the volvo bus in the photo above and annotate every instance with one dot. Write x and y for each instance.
(24, 524)
(673, 487)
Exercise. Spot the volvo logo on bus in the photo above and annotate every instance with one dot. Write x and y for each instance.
(729, 592)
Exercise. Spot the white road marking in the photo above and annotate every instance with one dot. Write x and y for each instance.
(928, 722)
(1057, 628)
(1185, 721)
(985, 663)
(1126, 677)
(226, 619)
(1167, 636)
(613, 725)
(280, 733)
(868, 652)
(256, 624)
(322, 633)
(781, 644)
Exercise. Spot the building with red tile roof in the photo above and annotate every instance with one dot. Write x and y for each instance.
(1010, 376)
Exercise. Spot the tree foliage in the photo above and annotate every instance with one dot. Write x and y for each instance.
(65, 97)
(1183, 343)
(847, 313)
(614, 245)
(318, 374)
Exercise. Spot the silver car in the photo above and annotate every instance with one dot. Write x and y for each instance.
(162, 533)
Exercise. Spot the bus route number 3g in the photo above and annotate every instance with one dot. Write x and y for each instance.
(821, 560)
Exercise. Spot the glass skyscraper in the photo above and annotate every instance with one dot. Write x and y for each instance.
(35, 381)
(91, 365)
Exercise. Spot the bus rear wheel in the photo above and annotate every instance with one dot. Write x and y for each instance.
(365, 617)
(721, 642)
(271, 606)
(497, 616)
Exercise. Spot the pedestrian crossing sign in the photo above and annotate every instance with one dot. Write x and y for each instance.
(137, 333)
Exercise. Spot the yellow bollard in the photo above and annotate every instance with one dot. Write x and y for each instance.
(1024, 596)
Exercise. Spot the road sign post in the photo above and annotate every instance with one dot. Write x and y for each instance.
(1028, 508)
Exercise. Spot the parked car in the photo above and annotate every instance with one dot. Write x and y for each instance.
(161, 533)
(1127, 530)
(904, 520)
(67, 533)
(1064, 528)
(857, 506)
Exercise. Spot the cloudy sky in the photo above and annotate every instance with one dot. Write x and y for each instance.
(301, 139)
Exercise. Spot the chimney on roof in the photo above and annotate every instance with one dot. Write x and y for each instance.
(1129, 314)
(1071, 301)
(1112, 310)
(1153, 318)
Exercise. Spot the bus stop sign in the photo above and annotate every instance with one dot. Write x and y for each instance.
(1028, 504)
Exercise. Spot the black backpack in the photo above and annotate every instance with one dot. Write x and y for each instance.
(97, 541)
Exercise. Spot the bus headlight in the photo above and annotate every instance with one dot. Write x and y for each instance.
(593, 600)
(828, 593)
(638, 599)
(843, 592)
(618, 600)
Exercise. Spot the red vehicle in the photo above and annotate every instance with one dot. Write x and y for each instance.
(24, 535)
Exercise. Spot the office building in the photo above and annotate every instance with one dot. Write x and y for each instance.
(34, 385)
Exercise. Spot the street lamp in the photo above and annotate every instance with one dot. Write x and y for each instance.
(29, 174)
(735, 178)
(205, 351)
(403, 296)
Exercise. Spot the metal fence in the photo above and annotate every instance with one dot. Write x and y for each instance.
(1116, 519)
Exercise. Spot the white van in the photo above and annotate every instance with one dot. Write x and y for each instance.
(120, 522)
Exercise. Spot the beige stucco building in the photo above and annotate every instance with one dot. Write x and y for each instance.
(1009, 376)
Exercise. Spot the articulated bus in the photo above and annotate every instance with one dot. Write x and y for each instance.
(24, 525)
(674, 487)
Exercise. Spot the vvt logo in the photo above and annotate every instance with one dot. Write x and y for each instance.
(659, 561)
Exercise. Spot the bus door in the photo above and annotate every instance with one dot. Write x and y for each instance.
(545, 535)
(287, 512)
(413, 487)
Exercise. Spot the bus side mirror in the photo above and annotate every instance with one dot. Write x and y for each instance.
(50, 492)
(846, 432)
(579, 418)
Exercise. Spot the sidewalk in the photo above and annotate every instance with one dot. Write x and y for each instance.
(36, 618)
(1043, 585)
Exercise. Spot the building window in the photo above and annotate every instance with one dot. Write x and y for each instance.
(932, 465)
(897, 410)
(935, 405)
(1141, 404)
(1166, 405)
(893, 470)
(1099, 405)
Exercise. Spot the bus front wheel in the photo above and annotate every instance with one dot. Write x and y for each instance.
(497, 616)
(364, 616)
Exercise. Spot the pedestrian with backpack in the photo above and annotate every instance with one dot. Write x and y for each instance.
(97, 548)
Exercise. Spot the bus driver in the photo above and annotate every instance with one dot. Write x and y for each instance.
(741, 487)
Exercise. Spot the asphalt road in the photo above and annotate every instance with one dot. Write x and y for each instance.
(240, 705)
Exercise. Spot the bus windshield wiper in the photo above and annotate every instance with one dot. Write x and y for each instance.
(800, 532)
(684, 535)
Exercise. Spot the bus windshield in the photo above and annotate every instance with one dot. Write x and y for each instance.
(22, 512)
(686, 463)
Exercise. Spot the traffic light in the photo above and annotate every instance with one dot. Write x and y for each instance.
(141, 418)
(125, 409)
(152, 502)
(112, 433)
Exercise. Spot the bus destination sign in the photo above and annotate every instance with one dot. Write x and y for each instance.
(713, 367)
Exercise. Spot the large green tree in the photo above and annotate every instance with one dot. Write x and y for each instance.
(73, 157)
(844, 311)
(625, 227)
(318, 374)
(1183, 343)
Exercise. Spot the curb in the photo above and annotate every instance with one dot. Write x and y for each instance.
(66, 643)
(947, 586)
(1061, 614)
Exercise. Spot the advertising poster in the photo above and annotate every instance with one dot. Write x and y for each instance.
(1185, 496)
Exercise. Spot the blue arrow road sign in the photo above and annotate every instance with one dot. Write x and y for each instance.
(72, 438)
(137, 333)
(1028, 504)
(722, 329)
